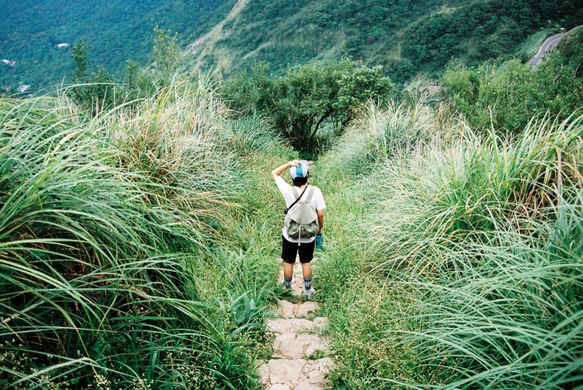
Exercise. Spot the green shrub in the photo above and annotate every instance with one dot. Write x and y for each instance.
(308, 98)
(508, 96)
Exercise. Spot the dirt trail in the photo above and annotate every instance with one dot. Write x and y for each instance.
(300, 358)
(207, 42)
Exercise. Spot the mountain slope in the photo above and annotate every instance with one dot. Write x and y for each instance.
(116, 30)
(208, 41)
(407, 37)
(404, 36)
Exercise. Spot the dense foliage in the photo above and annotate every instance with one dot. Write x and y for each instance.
(139, 224)
(113, 236)
(508, 96)
(405, 37)
(119, 31)
(308, 98)
(468, 273)
(481, 31)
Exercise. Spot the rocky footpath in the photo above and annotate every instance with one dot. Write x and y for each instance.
(300, 358)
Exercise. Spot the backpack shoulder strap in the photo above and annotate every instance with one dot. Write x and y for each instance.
(295, 192)
(310, 193)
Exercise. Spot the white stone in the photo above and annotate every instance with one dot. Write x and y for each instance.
(287, 346)
(301, 324)
(321, 322)
(280, 325)
(280, 387)
(315, 370)
(263, 371)
(310, 343)
(307, 386)
(296, 337)
(285, 371)
(286, 309)
(306, 308)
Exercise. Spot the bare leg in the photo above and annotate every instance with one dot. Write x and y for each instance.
(307, 270)
(288, 270)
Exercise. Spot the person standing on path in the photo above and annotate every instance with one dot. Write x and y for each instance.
(290, 247)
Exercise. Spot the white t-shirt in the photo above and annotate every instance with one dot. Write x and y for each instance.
(317, 202)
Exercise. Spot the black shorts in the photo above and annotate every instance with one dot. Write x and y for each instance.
(290, 250)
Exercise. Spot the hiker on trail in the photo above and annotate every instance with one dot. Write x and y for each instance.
(303, 224)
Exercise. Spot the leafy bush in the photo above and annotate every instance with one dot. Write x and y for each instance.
(509, 95)
(299, 103)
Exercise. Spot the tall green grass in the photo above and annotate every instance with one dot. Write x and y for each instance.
(466, 271)
(392, 132)
(486, 237)
(353, 297)
(478, 187)
(139, 247)
(104, 223)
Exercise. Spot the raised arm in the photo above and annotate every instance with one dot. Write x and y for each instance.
(281, 169)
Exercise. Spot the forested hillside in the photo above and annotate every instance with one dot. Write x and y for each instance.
(116, 31)
(406, 37)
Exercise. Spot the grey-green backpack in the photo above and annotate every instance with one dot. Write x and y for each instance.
(301, 220)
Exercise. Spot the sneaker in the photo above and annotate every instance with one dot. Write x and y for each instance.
(287, 285)
(310, 292)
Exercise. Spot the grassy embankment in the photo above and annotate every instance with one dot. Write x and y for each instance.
(138, 248)
(130, 254)
(467, 272)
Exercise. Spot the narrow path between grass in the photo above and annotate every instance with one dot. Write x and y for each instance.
(300, 358)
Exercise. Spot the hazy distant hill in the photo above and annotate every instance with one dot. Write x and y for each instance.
(116, 30)
(405, 36)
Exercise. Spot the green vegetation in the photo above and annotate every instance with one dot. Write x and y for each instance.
(308, 98)
(140, 225)
(405, 37)
(115, 233)
(117, 32)
(97, 90)
(469, 272)
(509, 95)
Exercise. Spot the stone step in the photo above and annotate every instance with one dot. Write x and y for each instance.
(290, 310)
(294, 374)
(286, 325)
(297, 344)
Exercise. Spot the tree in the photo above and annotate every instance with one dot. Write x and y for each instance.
(166, 53)
(300, 102)
(362, 85)
(93, 93)
(81, 58)
(304, 100)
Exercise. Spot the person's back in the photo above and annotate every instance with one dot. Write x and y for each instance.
(302, 245)
(301, 220)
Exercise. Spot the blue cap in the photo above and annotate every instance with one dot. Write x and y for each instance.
(300, 171)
